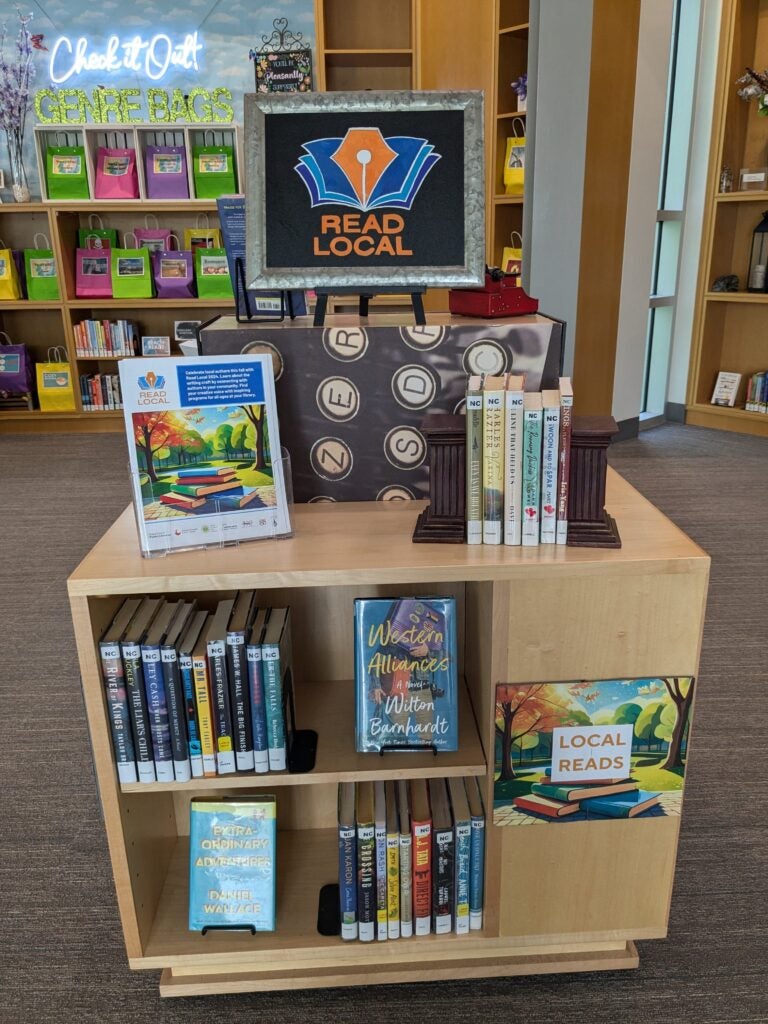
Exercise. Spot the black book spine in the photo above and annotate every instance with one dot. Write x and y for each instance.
(222, 715)
(119, 715)
(137, 705)
(443, 880)
(241, 705)
(176, 713)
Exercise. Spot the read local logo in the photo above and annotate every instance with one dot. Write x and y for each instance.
(591, 753)
(152, 389)
(367, 172)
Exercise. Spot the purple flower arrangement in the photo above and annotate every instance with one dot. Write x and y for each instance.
(17, 70)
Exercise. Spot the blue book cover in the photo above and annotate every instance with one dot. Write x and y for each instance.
(476, 854)
(232, 857)
(258, 709)
(406, 673)
(622, 805)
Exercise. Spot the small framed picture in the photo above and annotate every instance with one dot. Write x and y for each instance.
(155, 345)
(185, 330)
(726, 389)
(753, 179)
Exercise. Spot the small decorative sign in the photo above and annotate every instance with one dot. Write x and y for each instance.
(283, 63)
(592, 754)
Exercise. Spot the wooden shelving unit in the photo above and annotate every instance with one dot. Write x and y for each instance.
(557, 897)
(729, 327)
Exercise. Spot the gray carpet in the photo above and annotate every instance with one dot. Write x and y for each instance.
(61, 956)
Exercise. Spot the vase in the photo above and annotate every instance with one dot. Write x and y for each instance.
(20, 192)
(20, 185)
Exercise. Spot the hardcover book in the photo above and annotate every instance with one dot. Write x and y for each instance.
(237, 671)
(513, 459)
(174, 691)
(406, 677)
(443, 858)
(406, 859)
(232, 854)
(493, 459)
(532, 416)
(186, 646)
(564, 458)
(117, 698)
(220, 414)
(256, 694)
(462, 826)
(474, 456)
(157, 703)
(421, 830)
(549, 465)
(219, 687)
(347, 861)
(366, 863)
(130, 648)
(393, 862)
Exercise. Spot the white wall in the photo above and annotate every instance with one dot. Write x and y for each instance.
(559, 126)
(651, 84)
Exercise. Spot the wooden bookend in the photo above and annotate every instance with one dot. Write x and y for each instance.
(442, 521)
(589, 525)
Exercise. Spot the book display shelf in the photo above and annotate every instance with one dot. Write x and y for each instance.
(557, 898)
(729, 327)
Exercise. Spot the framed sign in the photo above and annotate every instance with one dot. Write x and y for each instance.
(363, 188)
(284, 71)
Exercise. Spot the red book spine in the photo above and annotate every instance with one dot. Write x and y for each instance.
(422, 876)
(92, 386)
(564, 471)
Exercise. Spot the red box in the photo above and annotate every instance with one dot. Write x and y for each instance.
(499, 297)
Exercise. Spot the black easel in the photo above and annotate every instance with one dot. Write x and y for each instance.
(365, 295)
(241, 292)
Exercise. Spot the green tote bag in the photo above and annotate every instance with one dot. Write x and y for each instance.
(131, 272)
(213, 171)
(41, 272)
(212, 274)
(66, 176)
(106, 237)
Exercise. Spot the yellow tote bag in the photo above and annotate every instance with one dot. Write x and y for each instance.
(512, 257)
(202, 236)
(9, 275)
(54, 382)
(514, 160)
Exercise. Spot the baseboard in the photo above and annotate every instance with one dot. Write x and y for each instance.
(627, 429)
(675, 412)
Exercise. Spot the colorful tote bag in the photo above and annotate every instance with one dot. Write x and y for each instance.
(514, 160)
(202, 236)
(16, 376)
(212, 274)
(54, 382)
(93, 275)
(116, 174)
(131, 272)
(66, 175)
(106, 238)
(166, 173)
(512, 257)
(174, 273)
(213, 171)
(10, 286)
(41, 273)
(152, 238)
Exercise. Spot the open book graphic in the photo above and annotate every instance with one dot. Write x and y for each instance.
(364, 170)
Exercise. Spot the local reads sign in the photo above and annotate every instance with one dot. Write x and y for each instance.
(591, 753)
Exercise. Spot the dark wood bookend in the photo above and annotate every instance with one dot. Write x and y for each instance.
(442, 521)
(589, 525)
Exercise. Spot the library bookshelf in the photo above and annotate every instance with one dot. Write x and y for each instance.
(557, 899)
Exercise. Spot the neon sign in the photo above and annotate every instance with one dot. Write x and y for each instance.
(151, 57)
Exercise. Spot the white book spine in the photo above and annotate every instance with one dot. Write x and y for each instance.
(381, 881)
(225, 762)
(126, 772)
(209, 764)
(146, 771)
(474, 456)
(493, 469)
(182, 770)
(513, 467)
(531, 476)
(549, 466)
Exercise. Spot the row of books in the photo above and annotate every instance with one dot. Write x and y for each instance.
(518, 461)
(612, 798)
(219, 488)
(411, 858)
(193, 694)
(100, 391)
(105, 338)
(757, 392)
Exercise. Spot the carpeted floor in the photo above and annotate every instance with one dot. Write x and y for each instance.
(61, 956)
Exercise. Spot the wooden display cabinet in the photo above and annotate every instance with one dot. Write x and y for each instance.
(557, 898)
(729, 327)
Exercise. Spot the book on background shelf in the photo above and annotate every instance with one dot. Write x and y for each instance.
(99, 392)
(187, 643)
(94, 338)
(726, 389)
(347, 861)
(366, 863)
(130, 647)
(154, 683)
(493, 459)
(406, 859)
(564, 458)
(406, 674)
(462, 826)
(757, 393)
(256, 694)
(476, 853)
(443, 858)
(117, 697)
(216, 649)
(474, 443)
(421, 829)
(550, 439)
(238, 628)
(513, 459)
(174, 690)
(232, 863)
(532, 417)
(380, 835)
(278, 686)
(392, 861)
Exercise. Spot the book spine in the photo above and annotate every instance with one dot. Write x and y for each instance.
(119, 715)
(550, 439)
(474, 499)
(380, 835)
(258, 711)
(443, 868)
(493, 466)
(422, 877)
(348, 882)
(157, 709)
(190, 714)
(137, 705)
(241, 712)
(476, 873)
(531, 475)
(564, 468)
(273, 701)
(513, 467)
(366, 882)
(461, 903)
(393, 885)
(176, 714)
(204, 714)
(222, 717)
(406, 885)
